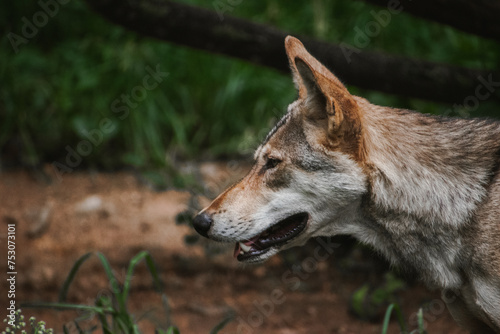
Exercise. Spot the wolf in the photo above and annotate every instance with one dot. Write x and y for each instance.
(422, 190)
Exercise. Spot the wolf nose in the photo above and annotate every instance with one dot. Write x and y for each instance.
(202, 223)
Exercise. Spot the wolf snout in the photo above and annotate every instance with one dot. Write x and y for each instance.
(202, 223)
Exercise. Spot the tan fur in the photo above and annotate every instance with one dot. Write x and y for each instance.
(422, 190)
(344, 122)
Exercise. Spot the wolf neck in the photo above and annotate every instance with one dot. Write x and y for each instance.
(427, 177)
(430, 168)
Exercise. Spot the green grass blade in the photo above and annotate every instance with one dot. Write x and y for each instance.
(64, 291)
(64, 306)
(135, 329)
(104, 324)
(100, 302)
(420, 319)
(130, 271)
(399, 317)
(115, 287)
(123, 321)
(387, 318)
(119, 325)
(222, 324)
(173, 330)
(154, 273)
(118, 294)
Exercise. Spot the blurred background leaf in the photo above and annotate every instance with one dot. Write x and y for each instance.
(63, 82)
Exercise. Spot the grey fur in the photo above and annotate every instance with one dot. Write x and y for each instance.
(422, 190)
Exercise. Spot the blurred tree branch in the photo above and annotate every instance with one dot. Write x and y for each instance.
(264, 45)
(478, 17)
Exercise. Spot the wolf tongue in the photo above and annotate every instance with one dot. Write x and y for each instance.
(250, 242)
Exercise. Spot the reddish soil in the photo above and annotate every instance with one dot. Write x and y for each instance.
(116, 214)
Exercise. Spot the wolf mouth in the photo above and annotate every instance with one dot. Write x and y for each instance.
(277, 235)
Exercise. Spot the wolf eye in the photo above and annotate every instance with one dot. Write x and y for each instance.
(271, 163)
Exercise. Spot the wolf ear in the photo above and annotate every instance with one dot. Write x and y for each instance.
(325, 96)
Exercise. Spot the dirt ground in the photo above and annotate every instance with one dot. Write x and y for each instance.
(119, 215)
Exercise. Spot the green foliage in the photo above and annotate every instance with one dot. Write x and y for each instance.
(368, 302)
(66, 81)
(402, 325)
(399, 316)
(111, 310)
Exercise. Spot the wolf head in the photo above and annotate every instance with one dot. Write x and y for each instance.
(308, 177)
